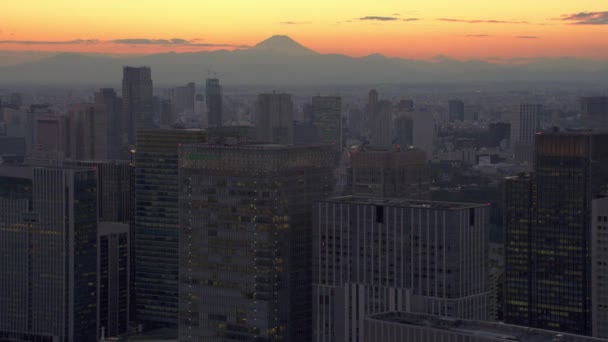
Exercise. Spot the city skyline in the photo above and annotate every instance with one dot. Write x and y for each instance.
(420, 30)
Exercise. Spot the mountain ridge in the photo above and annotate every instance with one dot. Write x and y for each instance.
(282, 60)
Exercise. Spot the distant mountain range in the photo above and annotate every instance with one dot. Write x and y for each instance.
(281, 60)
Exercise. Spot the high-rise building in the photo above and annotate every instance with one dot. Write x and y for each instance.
(380, 120)
(327, 119)
(213, 96)
(498, 132)
(424, 131)
(372, 255)
(548, 220)
(48, 272)
(404, 326)
(274, 118)
(599, 268)
(456, 110)
(83, 127)
(245, 240)
(594, 112)
(113, 278)
(137, 108)
(108, 125)
(182, 98)
(167, 114)
(114, 188)
(404, 130)
(382, 173)
(524, 125)
(155, 236)
(52, 134)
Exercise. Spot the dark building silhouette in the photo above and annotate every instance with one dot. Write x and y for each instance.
(456, 110)
(497, 132)
(327, 119)
(548, 230)
(245, 240)
(594, 111)
(108, 125)
(48, 270)
(213, 96)
(274, 118)
(137, 106)
(155, 237)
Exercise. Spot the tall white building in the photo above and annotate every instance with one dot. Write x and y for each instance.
(599, 268)
(373, 255)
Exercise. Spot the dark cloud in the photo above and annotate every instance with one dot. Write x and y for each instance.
(527, 37)
(587, 18)
(382, 18)
(143, 41)
(477, 35)
(482, 21)
(133, 42)
(294, 22)
(50, 42)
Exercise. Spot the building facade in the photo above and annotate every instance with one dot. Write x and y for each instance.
(456, 110)
(373, 255)
(524, 125)
(137, 101)
(213, 96)
(48, 276)
(382, 173)
(548, 222)
(403, 326)
(599, 268)
(113, 278)
(327, 119)
(245, 241)
(274, 118)
(155, 236)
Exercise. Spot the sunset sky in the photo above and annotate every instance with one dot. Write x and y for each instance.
(463, 29)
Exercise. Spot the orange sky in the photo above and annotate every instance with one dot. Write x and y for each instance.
(413, 29)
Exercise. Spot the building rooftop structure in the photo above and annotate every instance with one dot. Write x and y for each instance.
(401, 202)
(481, 331)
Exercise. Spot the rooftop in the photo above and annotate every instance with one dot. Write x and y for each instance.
(403, 202)
(489, 330)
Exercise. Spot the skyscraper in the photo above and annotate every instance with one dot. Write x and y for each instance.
(155, 242)
(108, 125)
(456, 110)
(113, 278)
(327, 119)
(274, 118)
(245, 240)
(182, 98)
(136, 101)
(524, 125)
(114, 188)
(599, 268)
(83, 127)
(372, 255)
(424, 131)
(48, 274)
(384, 173)
(548, 222)
(404, 130)
(380, 120)
(213, 94)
